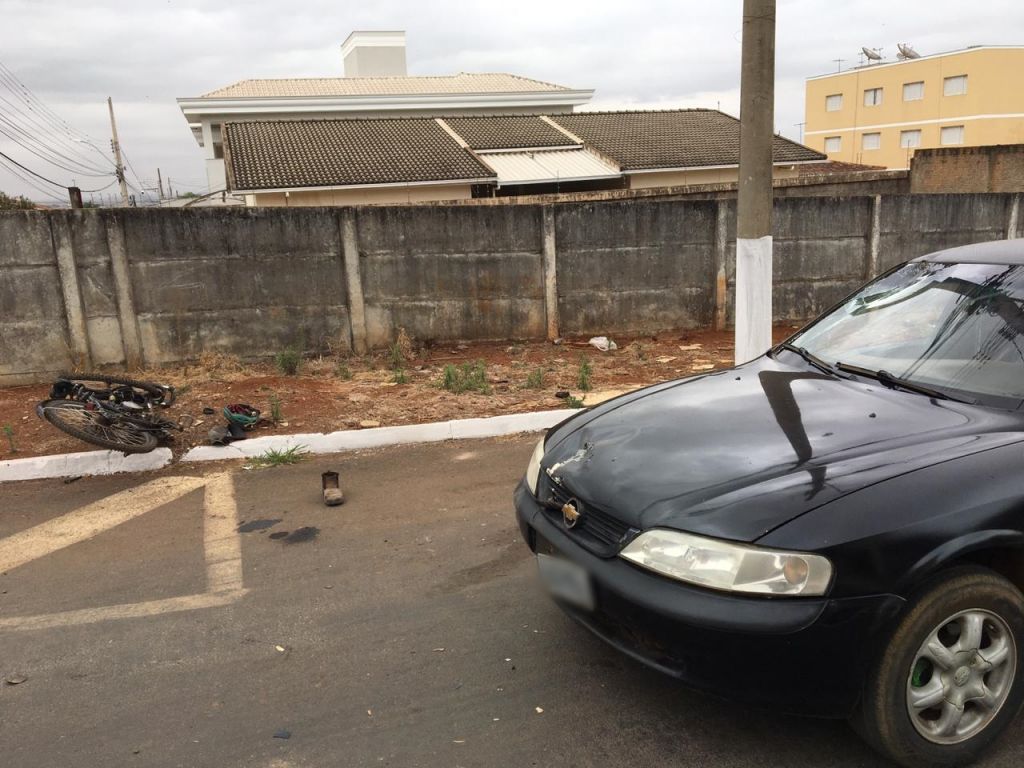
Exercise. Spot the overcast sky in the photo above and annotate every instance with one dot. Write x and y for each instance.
(639, 54)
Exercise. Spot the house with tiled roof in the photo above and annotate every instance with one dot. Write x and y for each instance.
(351, 162)
(376, 86)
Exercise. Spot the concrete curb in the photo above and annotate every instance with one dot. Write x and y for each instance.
(83, 463)
(112, 462)
(350, 440)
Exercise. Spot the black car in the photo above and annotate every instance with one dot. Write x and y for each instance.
(835, 528)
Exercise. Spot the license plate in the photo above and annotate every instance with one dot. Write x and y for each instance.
(566, 580)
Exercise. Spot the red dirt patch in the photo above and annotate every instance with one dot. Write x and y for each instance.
(333, 393)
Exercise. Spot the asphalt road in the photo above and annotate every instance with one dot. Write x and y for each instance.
(407, 629)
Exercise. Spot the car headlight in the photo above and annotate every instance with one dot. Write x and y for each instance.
(727, 566)
(533, 468)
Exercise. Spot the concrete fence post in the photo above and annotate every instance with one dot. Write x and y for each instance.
(353, 280)
(721, 242)
(1013, 221)
(874, 239)
(550, 276)
(67, 271)
(130, 337)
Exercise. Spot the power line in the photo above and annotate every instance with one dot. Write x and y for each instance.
(49, 181)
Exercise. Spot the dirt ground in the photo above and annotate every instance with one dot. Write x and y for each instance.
(334, 393)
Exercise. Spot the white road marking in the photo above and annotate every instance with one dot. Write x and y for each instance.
(91, 520)
(221, 545)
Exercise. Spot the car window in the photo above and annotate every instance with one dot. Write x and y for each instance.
(953, 326)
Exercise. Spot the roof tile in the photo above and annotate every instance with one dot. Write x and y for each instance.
(464, 82)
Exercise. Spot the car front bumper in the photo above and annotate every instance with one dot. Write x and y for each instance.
(805, 655)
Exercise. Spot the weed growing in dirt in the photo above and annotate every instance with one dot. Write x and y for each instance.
(277, 458)
(573, 402)
(9, 434)
(343, 371)
(401, 377)
(275, 409)
(535, 379)
(396, 356)
(288, 361)
(468, 377)
(583, 378)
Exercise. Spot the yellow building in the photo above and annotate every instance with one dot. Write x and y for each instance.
(880, 113)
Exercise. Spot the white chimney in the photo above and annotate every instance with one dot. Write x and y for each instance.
(374, 54)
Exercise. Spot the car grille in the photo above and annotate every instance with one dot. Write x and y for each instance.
(597, 531)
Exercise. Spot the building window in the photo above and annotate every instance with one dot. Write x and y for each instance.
(952, 134)
(872, 97)
(834, 102)
(871, 141)
(913, 91)
(910, 139)
(833, 144)
(954, 86)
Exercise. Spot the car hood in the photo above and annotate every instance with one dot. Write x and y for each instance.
(737, 453)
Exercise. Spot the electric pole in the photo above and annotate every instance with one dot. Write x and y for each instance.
(160, 183)
(116, 146)
(754, 204)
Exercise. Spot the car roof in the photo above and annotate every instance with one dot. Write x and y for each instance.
(992, 252)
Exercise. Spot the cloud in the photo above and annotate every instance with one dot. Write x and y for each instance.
(647, 53)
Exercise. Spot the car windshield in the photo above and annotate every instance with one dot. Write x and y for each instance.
(953, 327)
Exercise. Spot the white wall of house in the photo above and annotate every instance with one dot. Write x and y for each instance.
(414, 193)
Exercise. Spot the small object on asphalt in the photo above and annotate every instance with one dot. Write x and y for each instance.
(15, 679)
(562, 394)
(539, 710)
(280, 648)
(208, 411)
(603, 343)
(369, 712)
(72, 479)
(439, 650)
(331, 487)
(282, 734)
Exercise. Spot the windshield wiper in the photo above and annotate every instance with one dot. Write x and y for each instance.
(817, 362)
(895, 382)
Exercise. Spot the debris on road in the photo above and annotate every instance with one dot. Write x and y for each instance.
(15, 679)
(282, 734)
(539, 710)
(331, 486)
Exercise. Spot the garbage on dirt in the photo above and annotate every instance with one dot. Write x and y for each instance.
(603, 343)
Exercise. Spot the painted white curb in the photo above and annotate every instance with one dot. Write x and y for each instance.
(84, 463)
(350, 440)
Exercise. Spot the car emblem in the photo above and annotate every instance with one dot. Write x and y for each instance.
(571, 513)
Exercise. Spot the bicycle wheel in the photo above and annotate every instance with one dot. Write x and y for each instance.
(157, 394)
(92, 426)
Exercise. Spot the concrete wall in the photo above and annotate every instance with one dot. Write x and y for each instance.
(369, 196)
(128, 287)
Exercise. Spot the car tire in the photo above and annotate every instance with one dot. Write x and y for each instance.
(897, 714)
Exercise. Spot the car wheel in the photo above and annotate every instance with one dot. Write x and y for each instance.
(949, 680)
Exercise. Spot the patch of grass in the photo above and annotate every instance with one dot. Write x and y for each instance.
(275, 409)
(343, 371)
(401, 377)
(278, 458)
(396, 356)
(573, 402)
(468, 377)
(288, 361)
(9, 434)
(586, 372)
(535, 379)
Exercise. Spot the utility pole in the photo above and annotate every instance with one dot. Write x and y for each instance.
(754, 204)
(160, 183)
(116, 146)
